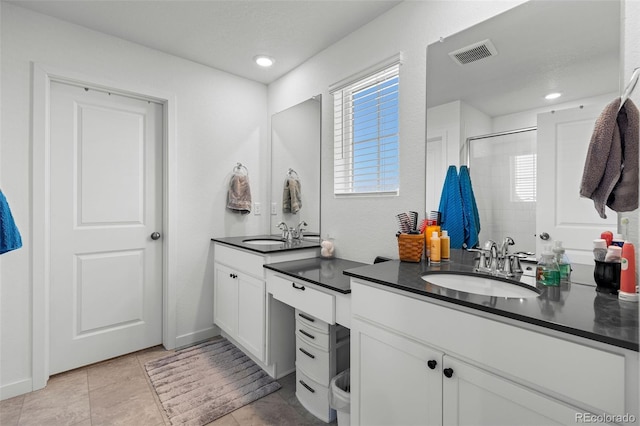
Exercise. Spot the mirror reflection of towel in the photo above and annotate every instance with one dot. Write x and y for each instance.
(610, 174)
(239, 194)
(9, 235)
(291, 196)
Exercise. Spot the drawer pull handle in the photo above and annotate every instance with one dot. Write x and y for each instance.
(297, 287)
(308, 318)
(312, 356)
(310, 336)
(309, 388)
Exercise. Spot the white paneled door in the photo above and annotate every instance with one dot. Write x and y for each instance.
(562, 215)
(106, 205)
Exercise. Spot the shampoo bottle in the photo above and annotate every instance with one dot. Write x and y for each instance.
(563, 261)
(628, 274)
(435, 248)
(445, 246)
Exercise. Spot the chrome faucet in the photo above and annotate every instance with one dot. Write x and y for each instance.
(498, 261)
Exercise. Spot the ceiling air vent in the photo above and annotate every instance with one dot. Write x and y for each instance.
(474, 52)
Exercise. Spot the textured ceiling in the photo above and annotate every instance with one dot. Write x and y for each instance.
(571, 47)
(223, 34)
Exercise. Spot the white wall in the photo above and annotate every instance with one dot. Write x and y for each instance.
(221, 119)
(365, 227)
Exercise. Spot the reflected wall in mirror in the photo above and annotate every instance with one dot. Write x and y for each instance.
(492, 79)
(295, 154)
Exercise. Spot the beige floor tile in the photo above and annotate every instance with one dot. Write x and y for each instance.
(128, 402)
(65, 400)
(227, 420)
(10, 410)
(151, 354)
(114, 371)
(55, 410)
(270, 410)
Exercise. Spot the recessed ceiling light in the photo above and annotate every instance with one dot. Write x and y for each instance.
(264, 61)
(551, 96)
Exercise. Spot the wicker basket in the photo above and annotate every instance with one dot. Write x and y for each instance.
(410, 247)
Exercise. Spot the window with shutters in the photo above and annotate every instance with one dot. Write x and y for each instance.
(366, 140)
(523, 176)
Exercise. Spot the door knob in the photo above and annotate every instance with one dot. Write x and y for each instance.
(155, 236)
(432, 364)
(544, 236)
(448, 372)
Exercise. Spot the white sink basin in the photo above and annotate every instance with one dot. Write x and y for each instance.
(263, 241)
(486, 286)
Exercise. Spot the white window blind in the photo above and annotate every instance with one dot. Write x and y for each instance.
(366, 141)
(523, 175)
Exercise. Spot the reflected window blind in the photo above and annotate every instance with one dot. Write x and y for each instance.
(524, 178)
(366, 141)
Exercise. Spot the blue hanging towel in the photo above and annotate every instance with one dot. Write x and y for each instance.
(470, 208)
(451, 208)
(9, 235)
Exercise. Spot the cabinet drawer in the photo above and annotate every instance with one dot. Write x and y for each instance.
(312, 322)
(302, 296)
(314, 397)
(240, 260)
(313, 336)
(313, 362)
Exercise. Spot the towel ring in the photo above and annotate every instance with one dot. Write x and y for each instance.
(241, 168)
(629, 89)
(292, 173)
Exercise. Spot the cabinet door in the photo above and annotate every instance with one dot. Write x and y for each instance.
(251, 318)
(397, 380)
(225, 299)
(472, 396)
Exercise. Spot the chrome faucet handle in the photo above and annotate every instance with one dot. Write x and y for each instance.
(285, 230)
(516, 266)
(300, 229)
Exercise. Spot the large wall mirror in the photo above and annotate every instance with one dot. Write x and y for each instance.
(295, 167)
(486, 108)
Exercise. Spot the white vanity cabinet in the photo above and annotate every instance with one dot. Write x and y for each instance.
(242, 309)
(239, 306)
(418, 362)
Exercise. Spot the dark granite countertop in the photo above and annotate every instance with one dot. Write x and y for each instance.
(572, 308)
(278, 245)
(323, 272)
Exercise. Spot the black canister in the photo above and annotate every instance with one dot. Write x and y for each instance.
(607, 276)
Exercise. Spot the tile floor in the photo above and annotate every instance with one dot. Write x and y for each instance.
(118, 392)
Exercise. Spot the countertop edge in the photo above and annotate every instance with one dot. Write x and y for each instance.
(310, 281)
(537, 322)
(263, 249)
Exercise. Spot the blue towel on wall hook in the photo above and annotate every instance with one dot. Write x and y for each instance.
(451, 208)
(470, 209)
(9, 235)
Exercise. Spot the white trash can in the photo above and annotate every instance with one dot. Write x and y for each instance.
(340, 397)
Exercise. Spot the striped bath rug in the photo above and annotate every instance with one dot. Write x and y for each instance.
(201, 383)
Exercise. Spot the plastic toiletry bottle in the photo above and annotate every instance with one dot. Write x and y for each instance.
(435, 248)
(547, 271)
(445, 246)
(564, 265)
(628, 274)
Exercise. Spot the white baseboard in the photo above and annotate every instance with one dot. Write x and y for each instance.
(15, 389)
(196, 336)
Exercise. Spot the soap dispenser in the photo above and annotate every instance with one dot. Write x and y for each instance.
(564, 265)
(547, 270)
